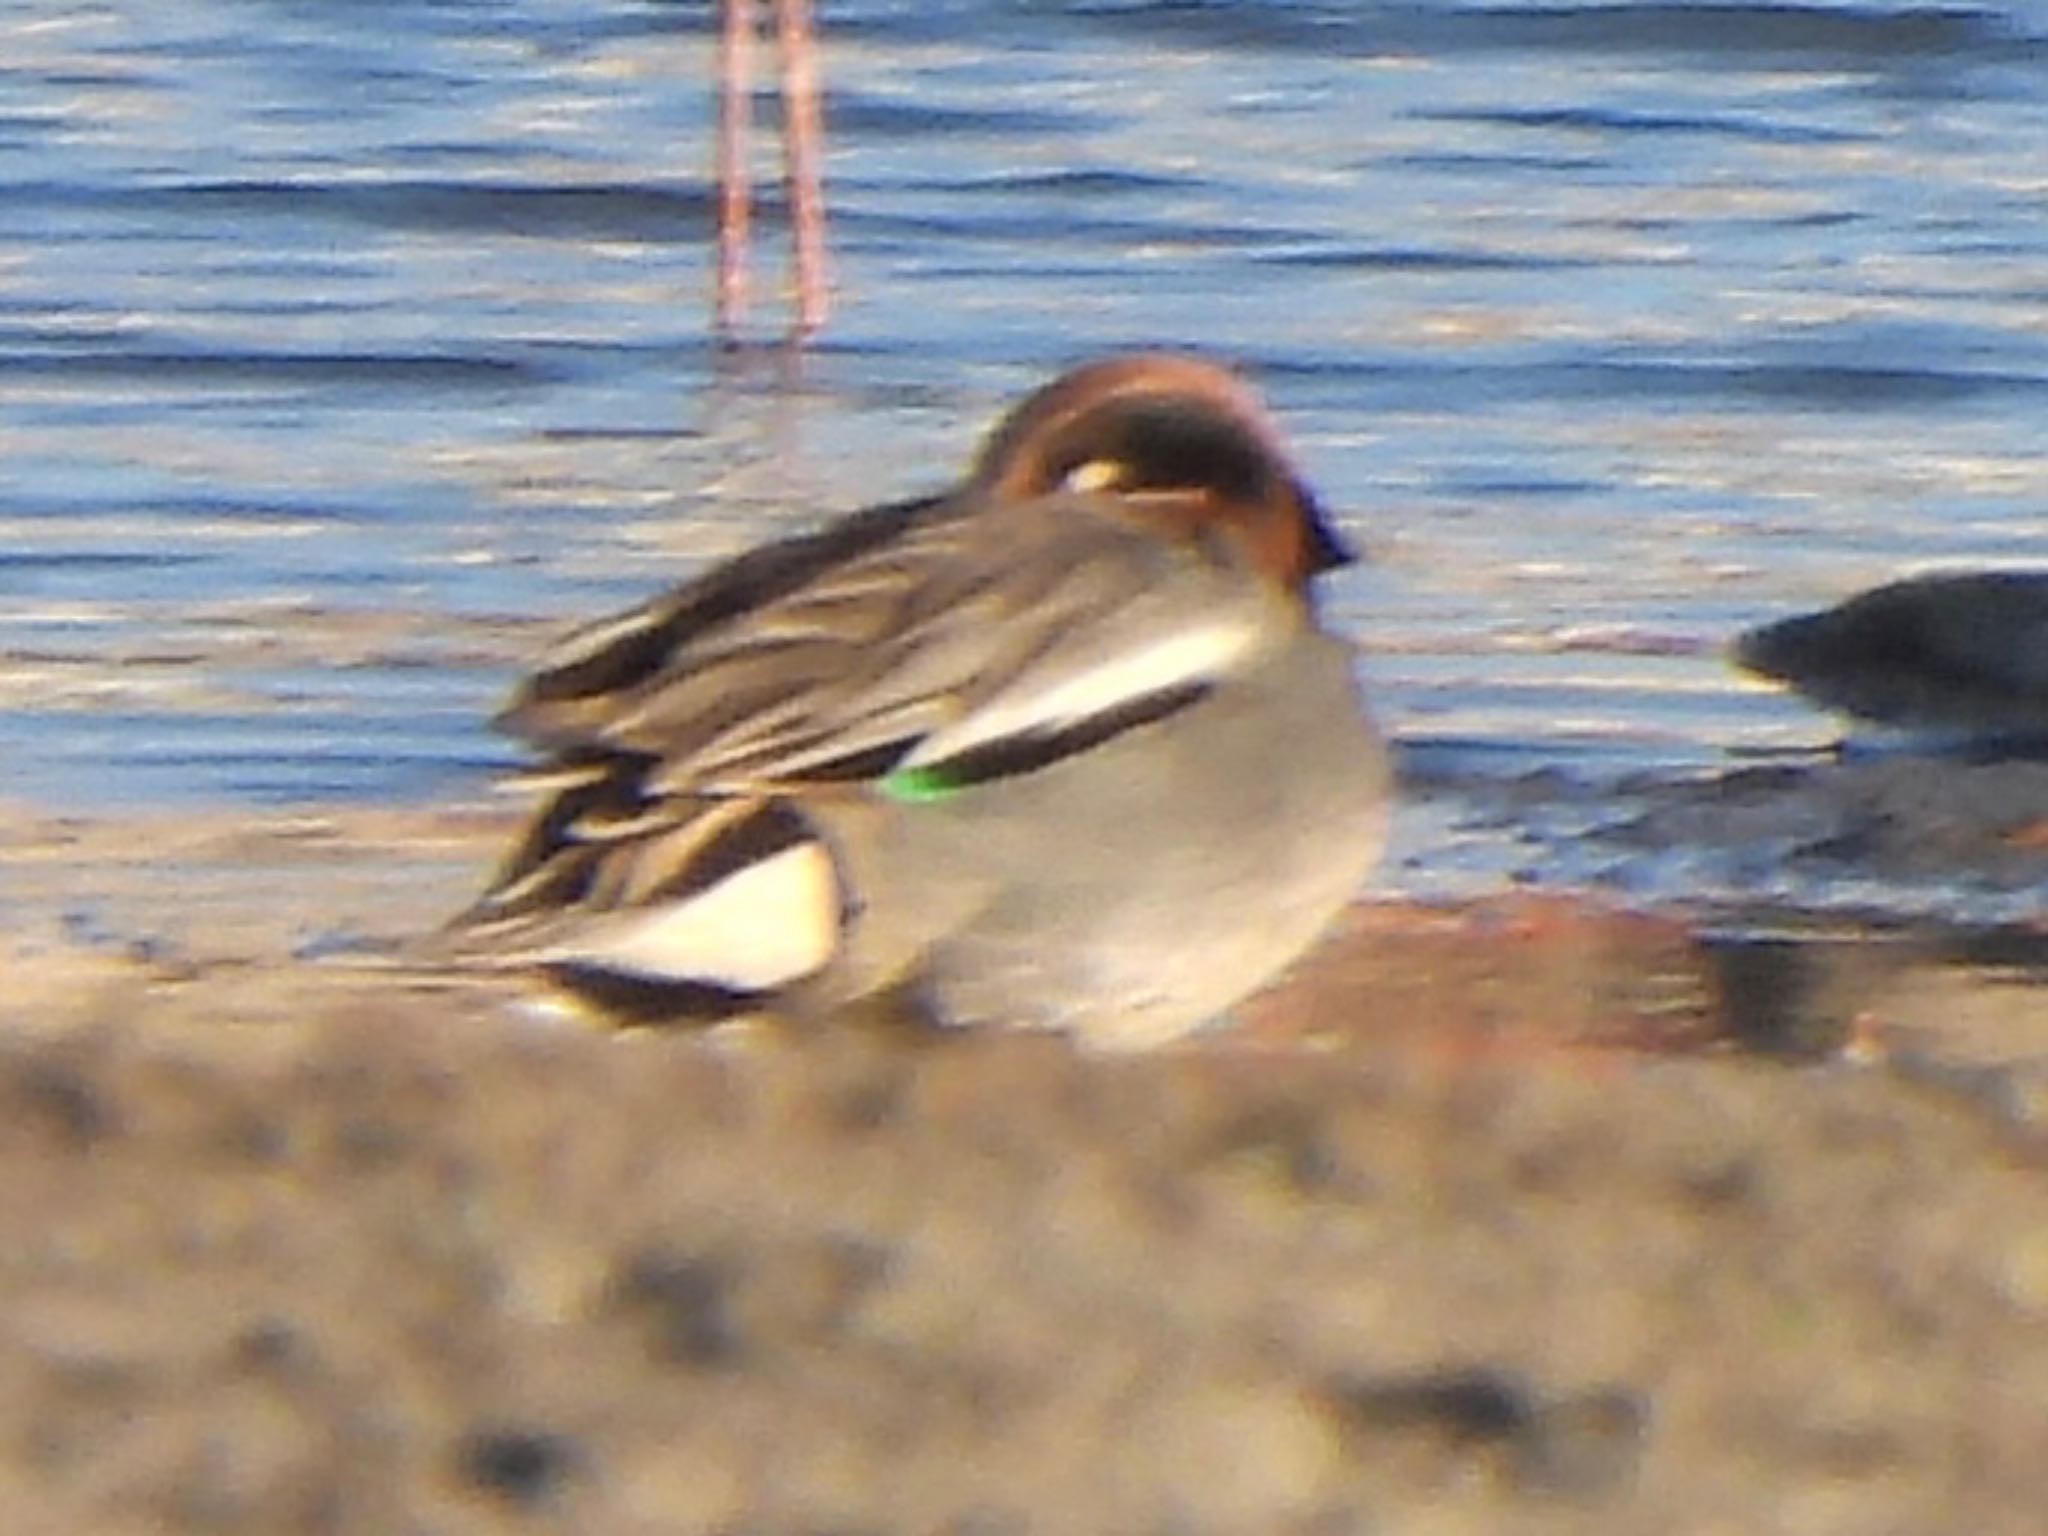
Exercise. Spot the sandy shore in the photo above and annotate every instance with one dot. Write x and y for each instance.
(1524, 1217)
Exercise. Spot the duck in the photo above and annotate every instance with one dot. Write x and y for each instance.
(1960, 655)
(1065, 746)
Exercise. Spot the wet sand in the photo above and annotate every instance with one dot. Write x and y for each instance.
(1523, 1216)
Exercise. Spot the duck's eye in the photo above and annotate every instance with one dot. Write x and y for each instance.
(1095, 475)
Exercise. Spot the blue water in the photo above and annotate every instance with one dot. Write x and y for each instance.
(347, 349)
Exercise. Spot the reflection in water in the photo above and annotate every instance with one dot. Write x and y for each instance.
(1963, 1013)
(1797, 999)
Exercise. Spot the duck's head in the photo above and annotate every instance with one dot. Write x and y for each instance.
(1163, 424)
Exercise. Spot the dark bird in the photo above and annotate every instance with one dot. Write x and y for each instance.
(1962, 655)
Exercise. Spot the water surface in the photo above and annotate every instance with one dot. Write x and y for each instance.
(346, 350)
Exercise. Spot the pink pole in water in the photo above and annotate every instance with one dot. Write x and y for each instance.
(803, 145)
(803, 135)
(735, 106)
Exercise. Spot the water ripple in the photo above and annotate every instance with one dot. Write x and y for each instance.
(345, 351)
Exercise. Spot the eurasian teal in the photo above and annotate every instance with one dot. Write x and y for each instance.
(1062, 747)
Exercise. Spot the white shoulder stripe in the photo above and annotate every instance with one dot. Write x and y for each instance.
(1188, 656)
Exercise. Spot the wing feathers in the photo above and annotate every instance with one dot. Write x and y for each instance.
(1175, 664)
(689, 734)
(952, 634)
